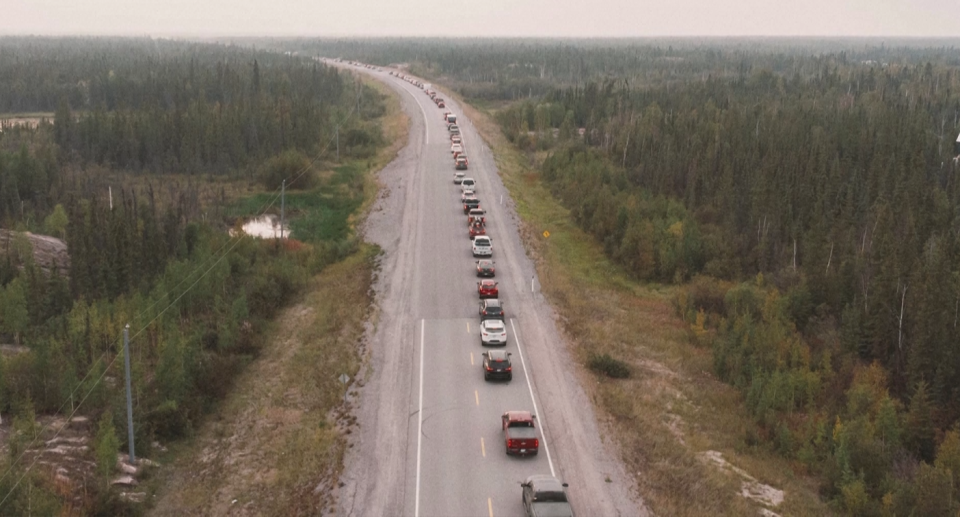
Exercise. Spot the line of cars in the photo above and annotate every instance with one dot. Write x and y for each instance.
(542, 495)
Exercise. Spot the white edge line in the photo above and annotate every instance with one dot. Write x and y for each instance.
(543, 427)
(416, 505)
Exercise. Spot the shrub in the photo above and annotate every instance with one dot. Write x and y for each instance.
(288, 165)
(609, 366)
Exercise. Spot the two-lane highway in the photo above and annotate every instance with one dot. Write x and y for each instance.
(430, 442)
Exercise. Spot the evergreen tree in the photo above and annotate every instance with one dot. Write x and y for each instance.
(918, 423)
(107, 446)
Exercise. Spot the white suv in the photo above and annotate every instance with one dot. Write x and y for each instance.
(493, 332)
(468, 184)
(482, 246)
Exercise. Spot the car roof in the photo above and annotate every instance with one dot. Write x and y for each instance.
(493, 323)
(487, 281)
(523, 416)
(542, 482)
(485, 262)
(498, 355)
(481, 237)
(492, 302)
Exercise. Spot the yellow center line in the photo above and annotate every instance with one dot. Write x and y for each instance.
(468, 327)
(471, 358)
(490, 506)
(483, 449)
(476, 395)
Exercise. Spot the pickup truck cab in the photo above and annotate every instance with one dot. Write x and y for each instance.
(544, 496)
(520, 433)
(476, 214)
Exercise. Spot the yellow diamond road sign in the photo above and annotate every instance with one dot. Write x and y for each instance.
(546, 233)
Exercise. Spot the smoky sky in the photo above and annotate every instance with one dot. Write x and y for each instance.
(534, 18)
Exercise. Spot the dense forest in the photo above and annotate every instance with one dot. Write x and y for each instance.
(818, 216)
(197, 299)
(804, 196)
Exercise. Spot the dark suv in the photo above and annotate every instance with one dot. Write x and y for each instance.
(492, 309)
(496, 365)
(469, 203)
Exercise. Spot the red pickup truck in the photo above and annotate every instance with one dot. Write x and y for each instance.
(520, 433)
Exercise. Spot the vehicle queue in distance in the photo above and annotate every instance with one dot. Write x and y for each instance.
(542, 495)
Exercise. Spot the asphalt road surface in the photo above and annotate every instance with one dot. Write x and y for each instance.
(430, 442)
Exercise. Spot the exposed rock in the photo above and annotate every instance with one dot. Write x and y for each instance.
(127, 468)
(750, 488)
(48, 252)
(80, 423)
(124, 481)
(133, 497)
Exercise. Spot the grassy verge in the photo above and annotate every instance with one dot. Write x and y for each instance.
(671, 410)
(276, 445)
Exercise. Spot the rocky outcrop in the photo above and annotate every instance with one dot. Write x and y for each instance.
(48, 252)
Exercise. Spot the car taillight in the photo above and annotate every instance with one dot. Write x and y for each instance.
(484, 334)
(509, 368)
(511, 443)
(489, 369)
(536, 443)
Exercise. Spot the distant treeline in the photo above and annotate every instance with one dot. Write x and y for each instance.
(164, 106)
(515, 68)
(833, 196)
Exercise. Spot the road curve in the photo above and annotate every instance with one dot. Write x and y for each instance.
(429, 442)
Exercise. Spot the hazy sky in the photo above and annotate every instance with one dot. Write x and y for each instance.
(929, 18)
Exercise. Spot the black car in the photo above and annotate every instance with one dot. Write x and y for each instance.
(491, 309)
(545, 496)
(496, 365)
(469, 203)
(485, 269)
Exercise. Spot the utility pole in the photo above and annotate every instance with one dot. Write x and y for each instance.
(126, 365)
(283, 199)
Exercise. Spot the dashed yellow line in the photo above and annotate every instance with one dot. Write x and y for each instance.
(490, 506)
(471, 358)
(476, 395)
(483, 448)
(468, 327)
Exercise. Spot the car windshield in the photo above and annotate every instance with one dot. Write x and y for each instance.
(481, 241)
(550, 497)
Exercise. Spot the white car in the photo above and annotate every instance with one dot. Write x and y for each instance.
(458, 178)
(455, 138)
(482, 246)
(468, 184)
(493, 332)
(454, 148)
(466, 193)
